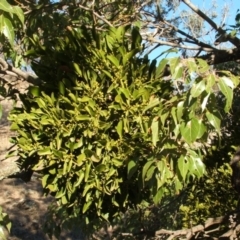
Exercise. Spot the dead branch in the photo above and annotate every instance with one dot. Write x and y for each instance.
(203, 228)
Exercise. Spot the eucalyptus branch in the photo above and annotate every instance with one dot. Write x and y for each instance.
(234, 40)
(198, 42)
(153, 40)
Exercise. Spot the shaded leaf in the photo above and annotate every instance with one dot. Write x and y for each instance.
(132, 167)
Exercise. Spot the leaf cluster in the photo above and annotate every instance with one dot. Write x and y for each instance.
(106, 130)
(10, 17)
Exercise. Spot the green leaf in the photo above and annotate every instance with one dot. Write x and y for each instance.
(164, 116)
(61, 88)
(203, 65)
(34, 90)
(178, 72)
(190, 130)
(196, 166)
(198, 88)
(132, 168)
(120, 31)
(204, 102)
(129, 55)
(153, 102)
(40, 103)
(77, 69)
(101, 168)
(183, 166)
(44, 151)
(86, 206)
(174, 115)
(87, 171)
(126, 92)
(158, 196)
(192, 66)
(145, 169)
(107, 73)
(211, 80)
(44, 180)
(80, 178)
(8, 30)
(64, 199)
(5, 6)
(126, 125)
(83, 118)
(173, 62)
(150, 172)
(19, 12)
(114, 60)
(180, 109)
(214, 120)
(155, 131)
(60, 193)
(119, 128)
(228, 82)
(202, 129)
(227, 92)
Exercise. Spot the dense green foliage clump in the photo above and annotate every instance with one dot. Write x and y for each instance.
(115, 139)
(107, 130)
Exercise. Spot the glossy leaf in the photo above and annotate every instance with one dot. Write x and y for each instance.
(227, 91)
(183, 166)
(190, 130)
(5, 6)
(214, 120)
(119, 128)
(8, 30)
(197, 89)
(155, 131)
(196, 166)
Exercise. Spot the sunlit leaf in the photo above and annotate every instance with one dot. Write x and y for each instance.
(214, 120)
(155, 131)
(190, 130)
(227, 91)
(183, 166)
(197, 88)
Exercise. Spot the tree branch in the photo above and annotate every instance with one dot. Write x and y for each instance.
(234, 40)
(153, 40)
(198, 42)
(222, 56)
(96, 14)
(5, 68)
(189, 233)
